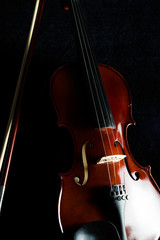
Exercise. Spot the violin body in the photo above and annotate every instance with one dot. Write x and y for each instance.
(97, 188)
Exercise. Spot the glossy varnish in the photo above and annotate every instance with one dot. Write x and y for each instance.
(82, 204)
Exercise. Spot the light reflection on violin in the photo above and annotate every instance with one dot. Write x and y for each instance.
(107, 188)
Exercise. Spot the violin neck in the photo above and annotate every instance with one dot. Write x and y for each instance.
(104, 117)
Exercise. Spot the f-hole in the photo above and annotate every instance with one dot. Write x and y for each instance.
(136, 174)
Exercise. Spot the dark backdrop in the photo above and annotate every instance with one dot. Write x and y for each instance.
(124, 35)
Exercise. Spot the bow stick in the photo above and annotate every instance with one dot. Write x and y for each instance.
(11, 130)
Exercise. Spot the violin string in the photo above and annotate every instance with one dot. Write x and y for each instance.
(118, 151)
(97, 98)
(97, 75)
(74, 12)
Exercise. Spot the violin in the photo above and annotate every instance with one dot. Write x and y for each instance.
(106, 194)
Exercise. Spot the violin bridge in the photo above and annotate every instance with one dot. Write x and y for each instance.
(111, 158)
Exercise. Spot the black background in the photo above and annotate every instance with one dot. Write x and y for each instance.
(124, 34)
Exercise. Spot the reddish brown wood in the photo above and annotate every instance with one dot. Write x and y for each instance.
(79, 205)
